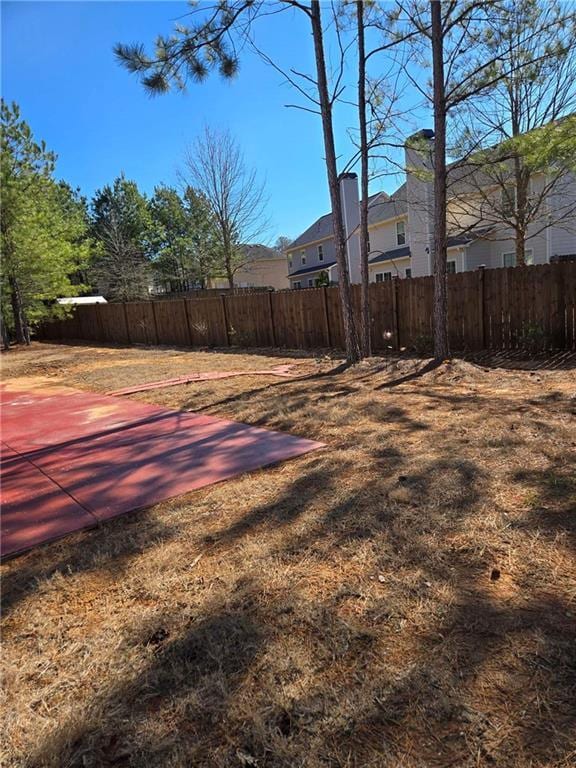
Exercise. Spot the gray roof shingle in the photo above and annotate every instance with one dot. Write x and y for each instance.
(317, 268)
(395, 253)
(380, 208)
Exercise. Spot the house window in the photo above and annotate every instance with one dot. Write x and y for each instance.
(400, 233)
(387, 277)
(303, 257)
(297, 284)
(379, 277)
(289, 263)
(408, 271)
(509, 259)
(320, 253)
(508, 201)
(451, 267)
(310, 283)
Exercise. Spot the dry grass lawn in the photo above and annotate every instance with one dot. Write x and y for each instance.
(405, 597)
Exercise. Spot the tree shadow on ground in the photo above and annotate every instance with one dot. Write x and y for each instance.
(284, 675)
(358, 627)
(109, 547)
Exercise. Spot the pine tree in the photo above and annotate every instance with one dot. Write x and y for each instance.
(183, 238)
(122, 229)
(43, 229)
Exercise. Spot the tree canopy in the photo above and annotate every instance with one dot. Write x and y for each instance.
(43, 227)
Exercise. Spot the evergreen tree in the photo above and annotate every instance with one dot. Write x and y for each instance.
(122, 228)
(43, 229)
(183, 238)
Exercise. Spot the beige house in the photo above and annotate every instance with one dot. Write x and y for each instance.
(264, 268)
(401, 230)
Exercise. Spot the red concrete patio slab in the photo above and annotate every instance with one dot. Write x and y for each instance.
(72, 458)
(112, 476)
(30, 421)
(35, 510)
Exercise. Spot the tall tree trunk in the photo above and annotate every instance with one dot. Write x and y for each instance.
(441, 347)
(350, 334)
(522, 181)
(364, 235)
(21, 332)
(5, 336)
(520, 247)
(229, 273)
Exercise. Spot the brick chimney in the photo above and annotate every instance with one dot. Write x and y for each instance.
(351, 214)
(420, 198)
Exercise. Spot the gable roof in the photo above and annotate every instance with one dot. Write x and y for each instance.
(380, 208)
(388, 207)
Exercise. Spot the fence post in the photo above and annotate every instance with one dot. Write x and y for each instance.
(561, 340)
(326, 317)
(155, 323)
(395, 314)
(481, 308)
(188, 326)
(225, 315)
(271, 308)
(129, 340)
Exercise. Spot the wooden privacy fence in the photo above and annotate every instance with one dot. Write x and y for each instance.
(519, 307)
(203, 293)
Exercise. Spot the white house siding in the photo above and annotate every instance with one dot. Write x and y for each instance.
(351, 214)
(420, 196)
(562, 235)
(563, 239)
(383, 236)
(490, 253)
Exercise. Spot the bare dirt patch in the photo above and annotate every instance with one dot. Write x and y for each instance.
(406, 597)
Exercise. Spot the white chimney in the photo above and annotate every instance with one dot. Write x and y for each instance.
(420, 200)
(351, 215)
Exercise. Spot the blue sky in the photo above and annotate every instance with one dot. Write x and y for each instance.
(58, 65)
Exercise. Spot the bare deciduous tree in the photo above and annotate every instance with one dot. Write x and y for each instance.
(215, 167)
(119, 270)
(527, 155)
(210, 43)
